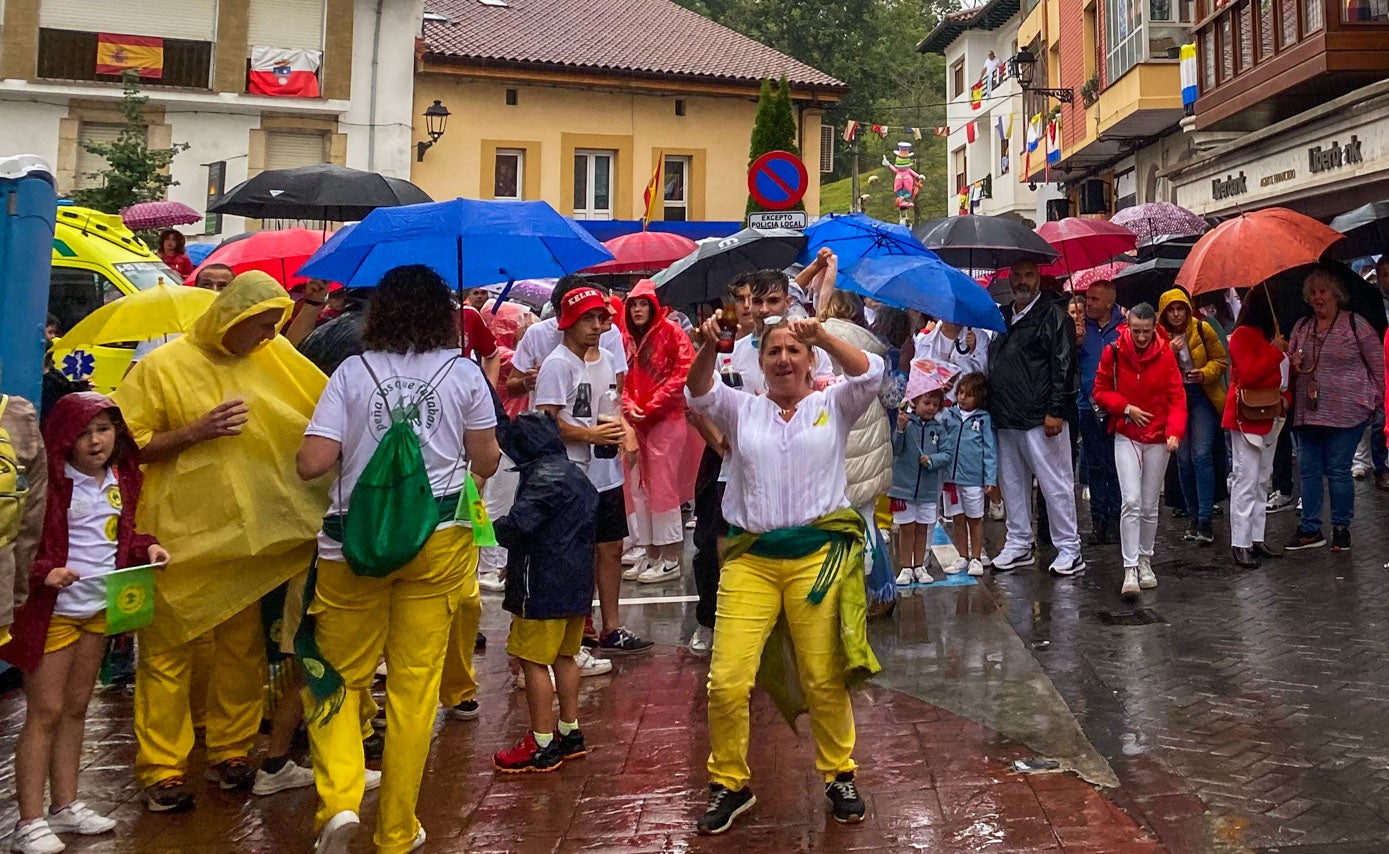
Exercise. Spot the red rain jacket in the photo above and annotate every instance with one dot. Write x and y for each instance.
(1254, 363)
(657, 365)
(1150, 381)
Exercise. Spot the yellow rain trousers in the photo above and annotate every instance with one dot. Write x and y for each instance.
(232, 512)
(408, 615)
(753, 592)
(459, 682)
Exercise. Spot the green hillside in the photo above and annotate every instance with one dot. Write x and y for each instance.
(880, 204)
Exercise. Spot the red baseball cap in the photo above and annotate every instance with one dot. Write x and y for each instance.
(579, 302)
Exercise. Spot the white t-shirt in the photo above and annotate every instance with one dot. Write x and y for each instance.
(93, 517)
(544, 337)
(936, 346)
(579, 386)
(447, 401)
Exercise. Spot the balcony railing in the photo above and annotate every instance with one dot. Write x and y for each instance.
(71, 55)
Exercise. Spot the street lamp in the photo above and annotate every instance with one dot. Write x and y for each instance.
(436, 116)
(1024, 67)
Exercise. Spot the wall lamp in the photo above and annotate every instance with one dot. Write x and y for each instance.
(1023, 66)
(436, 117)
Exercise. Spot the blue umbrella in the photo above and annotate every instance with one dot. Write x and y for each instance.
(470, 243)
(855, 237)
(926, 283)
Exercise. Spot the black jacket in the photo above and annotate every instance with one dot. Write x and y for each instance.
(1032, 367)
(549, 532)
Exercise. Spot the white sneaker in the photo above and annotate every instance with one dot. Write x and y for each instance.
(419, 840)
(985, 559)
(36, 837)
(633, 572)
(1130, 588)
(976, 568)
(1359, 472)
(1067, 567)
(337, 833)
(1147, 579)
(702, 641)
(957, 567)
(906, 576)
(661, 570)
(1277, 501)
(590, 666)
(373, 780)
(78, 818)
(633, 555)
(490, 580)
(1014, 559)
(996, 512)
(922, 575)
(291, 776)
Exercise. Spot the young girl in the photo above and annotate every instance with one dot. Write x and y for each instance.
(972, 473)
(60, 632)
(919, 455)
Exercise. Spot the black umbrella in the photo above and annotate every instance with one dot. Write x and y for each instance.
(323, 191)
(1166, 246)
(1146, 281)
(704, 274)
(1366, 229)
(1365, 298)
(983, 242)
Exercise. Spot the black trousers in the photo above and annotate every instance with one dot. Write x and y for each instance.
(709, 527)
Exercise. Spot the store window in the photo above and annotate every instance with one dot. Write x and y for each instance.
(509, 174)
(676, 177)
(593, 184)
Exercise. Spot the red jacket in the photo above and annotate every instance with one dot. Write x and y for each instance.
(657, 364)
(67, 422)
(1149, 380)
(1254, 363)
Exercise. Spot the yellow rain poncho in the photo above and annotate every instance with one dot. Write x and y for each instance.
(232, 512)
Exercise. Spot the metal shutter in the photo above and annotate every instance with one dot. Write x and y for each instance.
(88, 163)
(171, 19)
(826, 148)
(287, 149)
(286, 23)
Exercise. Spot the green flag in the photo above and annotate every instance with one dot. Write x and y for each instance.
(130, 599)
(483, 532)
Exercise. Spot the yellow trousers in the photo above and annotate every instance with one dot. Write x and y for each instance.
(753, 592)
(408, 616)
(459, 681)
(163, 686)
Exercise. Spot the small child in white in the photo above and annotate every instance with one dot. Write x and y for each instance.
(972, 473)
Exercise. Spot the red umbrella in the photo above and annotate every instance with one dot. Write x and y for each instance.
(644, 252)
(1250, 248)
(1085, 243)
(147, 215)
(1081, 281)
(279, 253)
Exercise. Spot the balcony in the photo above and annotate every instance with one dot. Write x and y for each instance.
(1261, 61)
(71, 55)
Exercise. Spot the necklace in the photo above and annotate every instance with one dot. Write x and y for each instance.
(787, 413)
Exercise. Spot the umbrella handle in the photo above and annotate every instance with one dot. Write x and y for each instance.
(501, 297)
(1277, 331)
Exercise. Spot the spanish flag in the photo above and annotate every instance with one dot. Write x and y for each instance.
(976, 95)
(655, 191)
(141, 54)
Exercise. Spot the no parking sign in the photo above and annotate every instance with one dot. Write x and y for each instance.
(777, 180)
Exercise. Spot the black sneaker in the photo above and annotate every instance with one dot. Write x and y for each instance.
(1305, 540)
(169, 795)
(480, 645)
(234, 773)
(724, 806)
(464, 711)
(621, 641)
(1204, 535)
(1190, 535)
(1340, 539)
(374, 747)
(844, 798)
(572, 746)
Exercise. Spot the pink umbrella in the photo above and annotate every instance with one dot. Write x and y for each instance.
(1080, 282)
(644, 252)
(1085, 243)
(146, 215)
(1155, 219)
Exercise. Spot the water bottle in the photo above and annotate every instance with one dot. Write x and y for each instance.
(608, 413)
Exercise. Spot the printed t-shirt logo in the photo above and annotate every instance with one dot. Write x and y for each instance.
(412, 400)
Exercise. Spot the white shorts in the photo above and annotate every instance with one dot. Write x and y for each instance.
(924, 513)
(969, 501)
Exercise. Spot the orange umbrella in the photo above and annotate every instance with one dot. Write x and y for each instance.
(1250, 248)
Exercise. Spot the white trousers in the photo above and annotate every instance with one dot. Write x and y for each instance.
(1023, 455)
(1142, 467)
(499, 493)
(1252, 464)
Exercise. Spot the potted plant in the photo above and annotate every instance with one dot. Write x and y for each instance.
(1090, 91)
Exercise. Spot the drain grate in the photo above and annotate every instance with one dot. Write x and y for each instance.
(1141, 617)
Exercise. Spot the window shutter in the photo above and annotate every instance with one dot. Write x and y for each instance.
(288, 149)
(286, 23)
(88, 164)
(826, 148)
(171, 19)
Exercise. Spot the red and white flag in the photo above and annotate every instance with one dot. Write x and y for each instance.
(285, 72)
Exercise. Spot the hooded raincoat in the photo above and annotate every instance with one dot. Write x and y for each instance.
(233, 510)
(64, 427)
(1207, 352)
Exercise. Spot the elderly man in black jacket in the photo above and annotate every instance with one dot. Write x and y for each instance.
(1032, 390)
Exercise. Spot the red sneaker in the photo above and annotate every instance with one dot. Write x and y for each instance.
(529, 757)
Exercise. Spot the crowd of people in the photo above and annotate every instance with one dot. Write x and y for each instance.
(301, 476)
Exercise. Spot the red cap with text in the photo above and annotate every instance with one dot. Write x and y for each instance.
(577, 303)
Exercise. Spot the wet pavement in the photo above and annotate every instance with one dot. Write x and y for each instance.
(1249, 714)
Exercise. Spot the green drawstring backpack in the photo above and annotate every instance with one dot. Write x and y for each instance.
(393, 511)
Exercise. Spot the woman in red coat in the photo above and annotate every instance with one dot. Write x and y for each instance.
(653, 397)
(1139, 387)
(1258, 360)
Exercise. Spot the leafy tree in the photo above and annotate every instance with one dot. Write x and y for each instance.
(773, 129)
(134, 172)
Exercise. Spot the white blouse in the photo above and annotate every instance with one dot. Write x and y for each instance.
(787, 473)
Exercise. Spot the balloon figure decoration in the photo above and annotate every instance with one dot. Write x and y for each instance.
(907, 181)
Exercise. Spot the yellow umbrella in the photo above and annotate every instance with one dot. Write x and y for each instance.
(152, 313)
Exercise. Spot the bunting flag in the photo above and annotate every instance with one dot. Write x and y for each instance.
(962, 200)
(284, 72)
(880, 130)
(976, 95)
(1009, 133)
(653, 192)
(942, 131)
(915, 132)
(969, 132)
(1034, 132)
(850, 131)
(1001, 136)
(1188, 72)
(1053, 144)
(118, 53)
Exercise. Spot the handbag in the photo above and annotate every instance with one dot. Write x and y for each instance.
(1260, 404)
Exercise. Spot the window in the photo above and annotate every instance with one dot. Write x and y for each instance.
(71, 55)
(1227, 48)
(73, 294)
(961, 164)
(286, 23)
(1123, 36)
(512, 97)
(826, 148)
(288, 149)
(509, 174)
(193, 20)
(1265, 29)
(1287, 15)
(957, 75)
(680, 106)
(1005, 151)
(1311, 16)
(91, 167)
(1246, 37)
(676, 177)
(593, 184)
(1208, 59)
(1365, 11)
